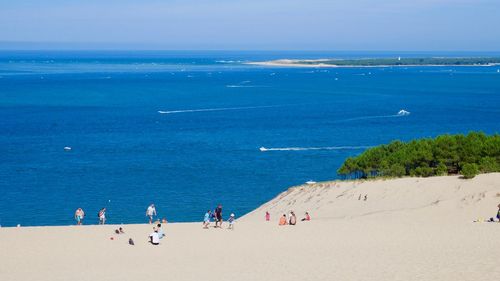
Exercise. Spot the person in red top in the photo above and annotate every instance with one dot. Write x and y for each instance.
(307, 218)
(268, 216)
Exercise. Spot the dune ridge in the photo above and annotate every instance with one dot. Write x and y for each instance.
(407, 229)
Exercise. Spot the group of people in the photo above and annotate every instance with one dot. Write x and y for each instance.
(216, 216)
(80, 215)
(156, 235)
(101, 215)
(291, 220)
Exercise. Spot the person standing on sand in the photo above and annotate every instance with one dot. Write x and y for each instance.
(268, 216)
(102, 216)
(231, 222)
(283, 220)
(79, 215)
(206, 219)
(151, 212)
(218, 216)
(498, 213)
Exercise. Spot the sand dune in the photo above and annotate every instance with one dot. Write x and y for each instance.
(408, 229)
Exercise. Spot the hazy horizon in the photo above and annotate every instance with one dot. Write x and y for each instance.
(314, 25)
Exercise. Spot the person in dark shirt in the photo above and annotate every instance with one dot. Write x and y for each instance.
(218, 216)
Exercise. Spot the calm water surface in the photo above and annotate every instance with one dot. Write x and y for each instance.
(218, 112)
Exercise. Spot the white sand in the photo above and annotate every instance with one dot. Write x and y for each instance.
(408, 229)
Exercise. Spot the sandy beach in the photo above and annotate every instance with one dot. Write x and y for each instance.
(407, 229)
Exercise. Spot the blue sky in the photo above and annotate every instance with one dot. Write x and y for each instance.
(413, 25)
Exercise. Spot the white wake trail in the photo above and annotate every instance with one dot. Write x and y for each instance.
(313, 148)
(401, 113)
(217, 109)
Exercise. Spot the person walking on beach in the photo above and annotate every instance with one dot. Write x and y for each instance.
(79, 215)
(102, 216)
(206, 219)
(218, 216)
(151, 212)
(268, 216)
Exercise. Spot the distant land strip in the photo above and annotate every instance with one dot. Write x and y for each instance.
(384, 62)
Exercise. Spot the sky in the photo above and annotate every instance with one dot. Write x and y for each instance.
(378, 25)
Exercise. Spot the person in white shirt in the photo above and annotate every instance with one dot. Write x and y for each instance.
(154, 238)
(151, 212)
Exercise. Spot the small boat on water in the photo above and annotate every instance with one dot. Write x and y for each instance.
(403, 112)
(263, 149)
(67, 148)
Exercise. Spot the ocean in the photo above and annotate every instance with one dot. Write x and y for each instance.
(189, 130)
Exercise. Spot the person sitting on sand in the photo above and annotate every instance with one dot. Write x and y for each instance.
(283, 220)
(151, 212)
(206, 219)
(307, 217)
(293, 218)
(121, 230)
(102, 216)
(231, 222)
(268, 216)
(161, 234)
(79, 215)
(154, 238)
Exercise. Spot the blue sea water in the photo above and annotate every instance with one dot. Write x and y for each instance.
(218, 111)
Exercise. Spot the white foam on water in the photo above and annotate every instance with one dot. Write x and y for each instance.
(241, 86)
(246, 86)
(263, 149)
(401, 113)
(217, 109)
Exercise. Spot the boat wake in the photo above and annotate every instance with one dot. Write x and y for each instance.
(217, 109)
(263, 149)
(400, 113)
(243, 86)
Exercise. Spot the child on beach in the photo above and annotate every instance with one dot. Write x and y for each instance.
(79, 215)
(231, 222)
(206, 219)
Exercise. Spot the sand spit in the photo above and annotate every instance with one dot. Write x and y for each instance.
(407, 229)
(322, 63)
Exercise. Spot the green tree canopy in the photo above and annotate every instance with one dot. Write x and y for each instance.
(444, 155)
